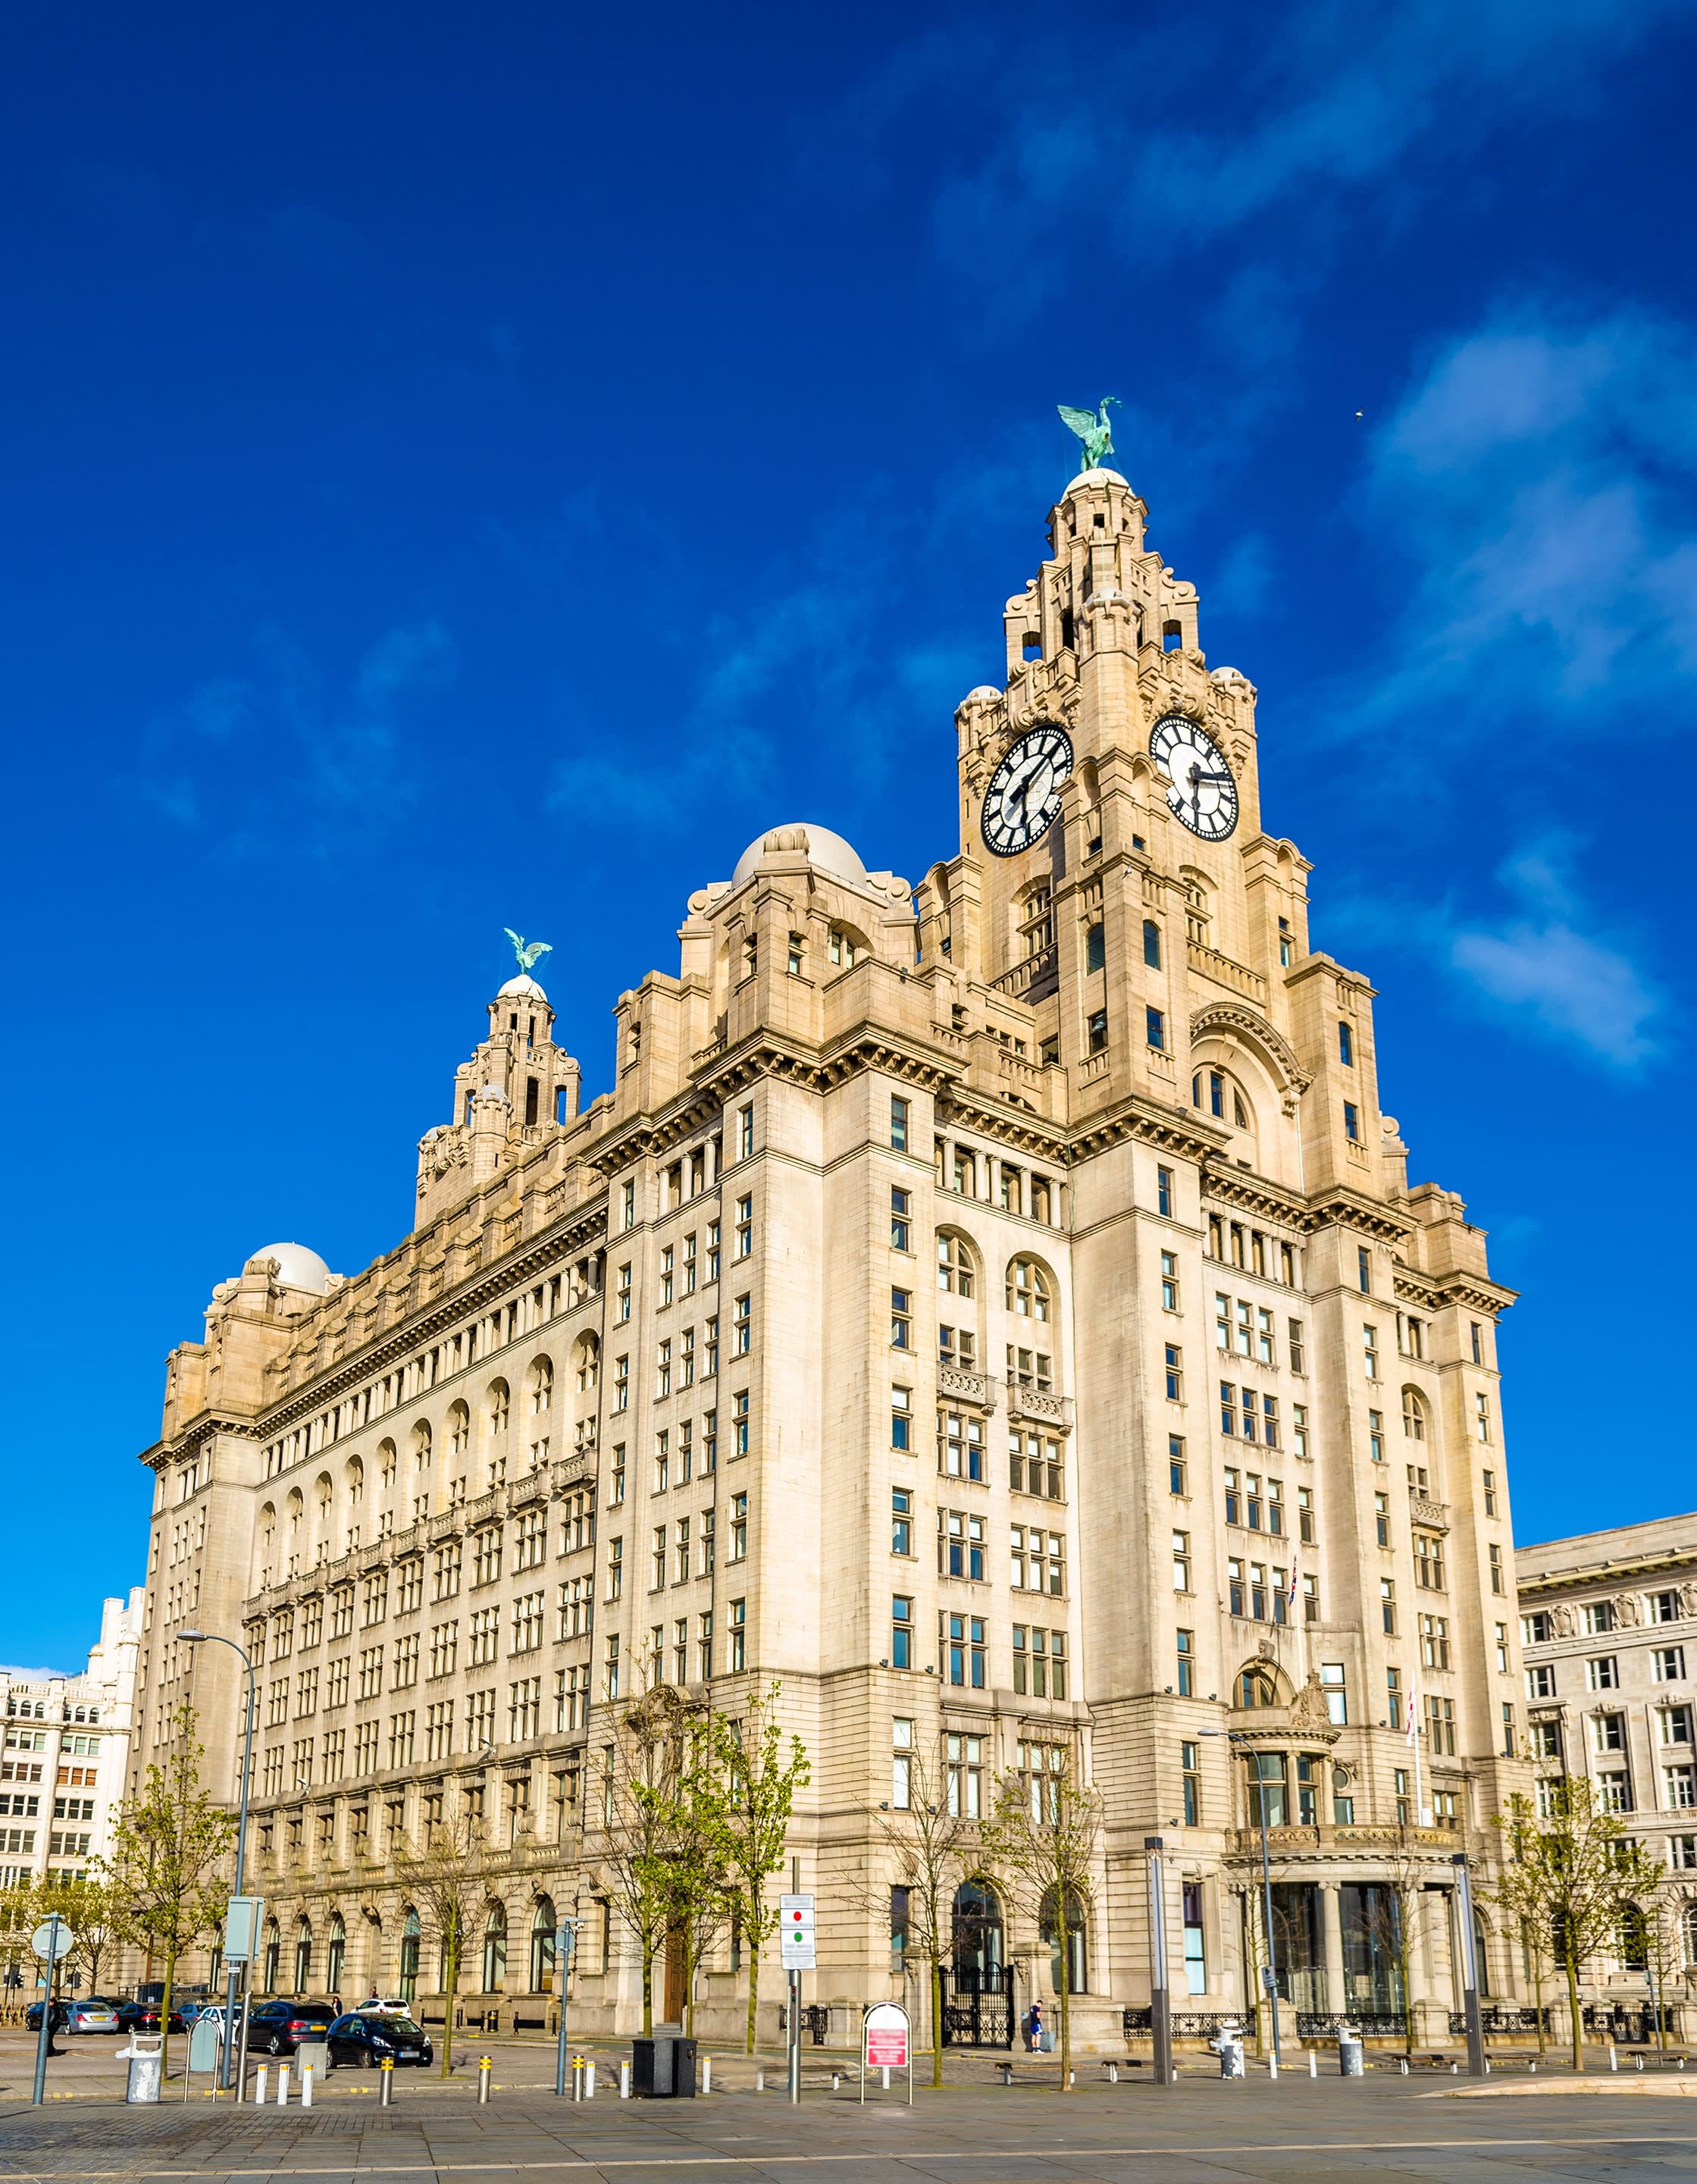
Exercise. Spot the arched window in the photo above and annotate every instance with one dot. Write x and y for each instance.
(845, 947)
(295, 1507)
(388, 1462)
(498, 1402)
(495, 1949)
(459, 1431)
(268, 1528)
(978, 1939)
(409, 1955)
(1028, 1292)
(274, 1952)
(336, 1956)
(1068, 1949)
(422, 1445)
(1414, 1414)
(588, 1357)
(1198, 914)
(302, 1954)
(353, 1477)
(956, 1273)
(1216, 1094)
(1151, 943)
(325, 1492)
(1257, 1687)
(543, 1925)
(541, 1386)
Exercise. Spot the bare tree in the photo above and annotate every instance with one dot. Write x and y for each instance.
(1571, 1871)
(931, 1850)
(166, 1871)
(639, 1796)
(1044, 1834)
(445, 1877)
(1391, 1913)
(751, 1788)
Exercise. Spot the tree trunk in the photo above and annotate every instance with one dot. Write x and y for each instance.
(647, 1985)
(754, 1988)
(937, 2021)
(164, 2017)
(1065, 1999)
(451, 1982)
(1574, 2026)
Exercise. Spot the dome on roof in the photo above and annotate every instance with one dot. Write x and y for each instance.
(524, 988)
(1101, 477)
(829, 852)
(298, 1267)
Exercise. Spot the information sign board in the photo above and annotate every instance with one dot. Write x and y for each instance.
(796, 1933)
(885, 2035)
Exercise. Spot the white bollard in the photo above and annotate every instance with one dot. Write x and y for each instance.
(259, 2084)
(1402, 2065)
(1614, 2060)
(624, 2081)
(1313, 2064)
(706, 2074)
(1640, 2060)
(589, 2081)
(306, 2084)
(1272, 2066)
(282, 2085)
(836, 2082)
(1487, 2066)
(759, 2082)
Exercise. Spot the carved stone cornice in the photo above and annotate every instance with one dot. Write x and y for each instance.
(1245, 1023)
(1341, 1207)
(1137, 1118)
(1256, 1194)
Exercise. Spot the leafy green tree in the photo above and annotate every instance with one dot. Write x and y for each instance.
(166, 1874)
(87, 1908)
(1570, 1872)
(756, 1781)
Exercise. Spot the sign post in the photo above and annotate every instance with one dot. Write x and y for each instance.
(886, 2044)
(52, 1942)
(565, 1935)
(242, 1921)
(796, 1941)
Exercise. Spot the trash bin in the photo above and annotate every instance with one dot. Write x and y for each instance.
(1228, 2045)
(1351, 2056)
(651, 2069)
(684, 2070)
(145, 2065)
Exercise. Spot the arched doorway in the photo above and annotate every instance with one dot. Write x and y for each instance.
(978, 1983)
(495, 1949)
(1072, 1946)
(409, 1955)
(336, 1958)
(542, 1926)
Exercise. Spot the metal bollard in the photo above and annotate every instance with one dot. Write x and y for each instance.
(706, 2074)
(386, 2081)
(306, 2084)
(1614, 2060)
(1402, 2065)
(485, 2071)
(624, 2081)
(1007, 2071)
(282, 2085)
(1454, 2069)
(1113, 2074)
(589, 2081)
(1272, 2066)
(835, 2082)
(1313, 2064)
(1532, 2068)
(259, 2084)
(1640, 2062)
(1487, 2066)
(759, 2082)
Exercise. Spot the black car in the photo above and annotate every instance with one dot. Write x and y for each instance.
(366, 2042)
(277, 2028)
(144, 2017)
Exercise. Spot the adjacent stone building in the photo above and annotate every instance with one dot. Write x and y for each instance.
(1609, 1625)
(994, 1307)
(66, 1767)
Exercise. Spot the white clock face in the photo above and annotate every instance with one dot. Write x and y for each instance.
(1023, 799)
(1200, 789)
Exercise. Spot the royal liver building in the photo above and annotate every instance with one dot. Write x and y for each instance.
(994, 1307)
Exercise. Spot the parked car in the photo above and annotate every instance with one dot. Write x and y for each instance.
(144, 2017)
(277, 2028)
(367, 2037)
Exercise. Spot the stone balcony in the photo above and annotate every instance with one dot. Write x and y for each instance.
(1040, 1405)
(1365, 1839)
(1434, 1515)
(961, 1386)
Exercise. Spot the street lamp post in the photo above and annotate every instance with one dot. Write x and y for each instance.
(1160, 2002)
(233, 1977)
(1470, 1969)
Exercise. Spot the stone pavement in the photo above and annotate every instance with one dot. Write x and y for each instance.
(1296, 2132)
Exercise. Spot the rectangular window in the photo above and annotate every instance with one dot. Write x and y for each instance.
(1376, 1436)
(1169, 1281)
(739, 1623)
(1482, 1417)
(745, 1132)
(1667, 1664)
(1175, 1374)
(1298, 1428)
(1602, 1674)
(1190, 1774)
(901, 1417)
(1333, 1682)
(1352, 1122)
(1369, 1349)
(961, 1639)
(1095, 947)
(739, 1424)
(901, 1765)
(959, 1445)
(1177, 1472)
(901, 1630)
(898, 1123)
(1097, 1031)
(1540, 1681)
(1154, 1029)
(1185, 1642)
(744, 1233)
(1497, 1582)
(901, 1520)
(1163, 1190)
(741, 1327)
(1388, 1605)
(1346, 1046)
(901, 1319)
(1181, 1562)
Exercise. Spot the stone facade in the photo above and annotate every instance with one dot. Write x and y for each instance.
(66, 1761)
(1608, 1626)
(995, 1308)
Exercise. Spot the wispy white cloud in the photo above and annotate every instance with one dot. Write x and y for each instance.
(310, 763)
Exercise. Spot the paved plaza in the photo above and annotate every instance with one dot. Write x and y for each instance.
(1299, 2131)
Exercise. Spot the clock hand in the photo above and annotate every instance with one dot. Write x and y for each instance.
(1197, 774)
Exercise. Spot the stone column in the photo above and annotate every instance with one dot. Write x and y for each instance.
(1332, 1941)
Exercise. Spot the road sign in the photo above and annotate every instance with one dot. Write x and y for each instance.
(796, 1933)
(241, 1929)
(51, 1939)
(884, 2034)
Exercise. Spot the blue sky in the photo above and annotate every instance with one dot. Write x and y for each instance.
(477, 467)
